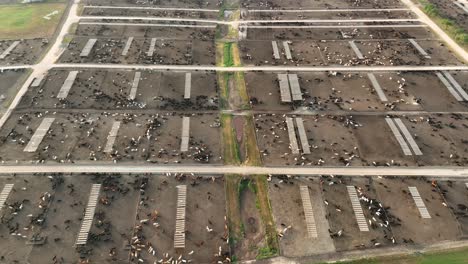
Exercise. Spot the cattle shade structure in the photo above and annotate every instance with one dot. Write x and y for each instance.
(188, 85)
(302, 135)
(287, 50)
(295, 87)
(179, 234)
(357, 208)
(276, 54)
(88, 47)
(408, 136)
(5, 193)
(152, 47)
(284, 88)
(128, 44)
(419, 48)
(453, 86)
(404, 146)
(184, 146)
(38, 136)
(462, 4)
(356, 50)
(419, 202)
(37, 81)
(292, 136)
(67, 85)
(136, 82)
(89, 215)
(112, 137)
(308, 212)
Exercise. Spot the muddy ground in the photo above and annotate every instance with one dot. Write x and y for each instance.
(289, 217)
(204, 34)
(151, 13)
(455, 194)
(410, 91)
(341, 215)
(297, 4)
(108, 90)
(10, 82)
(28, 51)
(442, 139)
(299, 15)
(353, 141)
(375, 52)
(75, 137)
(43, 214)
(448, 9)
(56, 225)
(338, 33)
(212, 4)
(253, 230)
(408, 225)
(167, 51)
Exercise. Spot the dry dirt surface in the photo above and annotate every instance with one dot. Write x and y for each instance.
(455, 194)
(168, 52)
(211, 4)
(311, 14)
(154, 138)
(288, 212)
(407, 225)
(9, 80)
(333, 92)
(28, 51)
(335, 53)
(137, 31)
(108, 90)
(448, 9)
(48, 211)
(297, 4)
(150, 13)
(319, 34)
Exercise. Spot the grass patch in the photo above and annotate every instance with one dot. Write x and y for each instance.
(253, 157)
(271, 248)
(266, 252)
(235, 226)
(223, 82)
(27, 21)
(69, 37)
(228, 60)
(11, 92)
(232, 33)
(231, 148)
(235, 54)
(456, 256)
(242, 89)
(450, 26)
(219, 54)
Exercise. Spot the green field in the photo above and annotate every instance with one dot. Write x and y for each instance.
(450, 26)
(459, 256)
(27, 21)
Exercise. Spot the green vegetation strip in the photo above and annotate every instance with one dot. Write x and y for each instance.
(449, 25)
(263, 203)
(456, 256)
(27, 20)
(233, 209)
(253, 157)
(228, 60)
(231, 148)
(223, 81)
